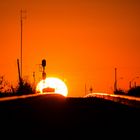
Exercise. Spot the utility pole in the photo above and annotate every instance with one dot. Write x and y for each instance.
(19, 74)
(18, 71)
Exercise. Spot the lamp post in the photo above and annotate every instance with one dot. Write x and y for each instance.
(130, 83)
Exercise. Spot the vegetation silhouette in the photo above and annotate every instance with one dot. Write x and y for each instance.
(120, 92)
(42, 115)
(134, 91)
(5, 88)
(23, 87)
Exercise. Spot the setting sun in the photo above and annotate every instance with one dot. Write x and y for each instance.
(52, 85)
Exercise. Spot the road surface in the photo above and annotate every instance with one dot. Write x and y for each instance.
(45, 116)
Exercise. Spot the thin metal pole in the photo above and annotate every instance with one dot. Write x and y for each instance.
(21, 42)
(115, 84)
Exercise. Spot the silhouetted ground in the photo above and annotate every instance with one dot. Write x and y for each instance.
(44, 116)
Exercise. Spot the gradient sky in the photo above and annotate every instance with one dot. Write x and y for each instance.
(82, 41)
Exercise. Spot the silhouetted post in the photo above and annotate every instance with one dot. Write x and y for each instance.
(34, 84)
(21, 41)
(21, 24)
(130, 83)
(115, 84)
(43, 65)
(34, 79)
(20, 79)
(91, 89)
(34, 76)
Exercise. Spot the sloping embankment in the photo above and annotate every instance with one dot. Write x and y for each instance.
(123, 99)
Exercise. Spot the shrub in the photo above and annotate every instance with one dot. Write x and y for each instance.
(24, 87)
(135, 91)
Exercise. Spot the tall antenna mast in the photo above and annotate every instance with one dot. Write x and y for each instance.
(21, 23)
(21, 44)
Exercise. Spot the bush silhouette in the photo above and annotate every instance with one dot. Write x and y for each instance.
(5, 87)
(135, 91)
(24, 87)
(120, 92)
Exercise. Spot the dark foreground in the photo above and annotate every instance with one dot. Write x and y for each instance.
(44, 116)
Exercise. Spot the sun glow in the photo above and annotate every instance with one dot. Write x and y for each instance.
(52, 85)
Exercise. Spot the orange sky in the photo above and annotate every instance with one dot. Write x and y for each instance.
(81, 40)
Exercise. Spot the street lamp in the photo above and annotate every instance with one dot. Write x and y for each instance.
(130, 86)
